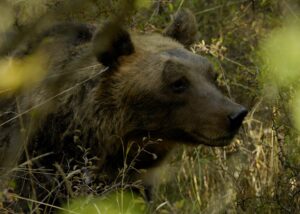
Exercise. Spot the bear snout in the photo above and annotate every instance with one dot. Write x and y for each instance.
(236, 118)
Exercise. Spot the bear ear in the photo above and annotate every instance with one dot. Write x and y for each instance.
(183, 28)
(111, 42)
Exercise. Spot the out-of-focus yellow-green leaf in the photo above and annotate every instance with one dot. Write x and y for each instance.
(115, 203)
(296, 109)
(7, 18)
(281, 54)
(22, 72)
(142, 4)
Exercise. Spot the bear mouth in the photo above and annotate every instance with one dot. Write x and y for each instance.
(215, 142)
(180, 136)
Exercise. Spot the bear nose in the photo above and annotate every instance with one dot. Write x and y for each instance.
(236, 118)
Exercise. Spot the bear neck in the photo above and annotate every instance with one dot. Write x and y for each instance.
(108, 121)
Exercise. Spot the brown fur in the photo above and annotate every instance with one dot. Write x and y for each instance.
(154, 95)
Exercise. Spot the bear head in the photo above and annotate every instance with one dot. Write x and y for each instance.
(164, 90)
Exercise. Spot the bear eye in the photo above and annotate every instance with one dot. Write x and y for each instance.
(179, 85)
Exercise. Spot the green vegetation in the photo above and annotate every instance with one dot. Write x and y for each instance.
(119, 202)
(256, 52)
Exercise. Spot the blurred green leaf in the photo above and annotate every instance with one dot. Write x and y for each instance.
(115, 203)
(16, 73)
(142, 4)
(281, 53)
(7, 17)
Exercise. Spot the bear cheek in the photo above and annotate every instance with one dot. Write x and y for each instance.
(149, 112)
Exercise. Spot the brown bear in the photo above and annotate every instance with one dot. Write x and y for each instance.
(111, 100)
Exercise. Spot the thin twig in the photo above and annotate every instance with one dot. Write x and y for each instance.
(219, 6)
